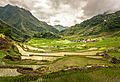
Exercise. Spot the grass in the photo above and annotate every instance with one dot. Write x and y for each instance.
(106, 43)
(59, 45)
(55, 44)
(20, 78)
(114, 54)
(66, 45)
(100, 75)
(2, 54)
(80, 61)
(102, 44)
(26, 62)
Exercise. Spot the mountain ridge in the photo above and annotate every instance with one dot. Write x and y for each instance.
(23, 21)
(98, 25)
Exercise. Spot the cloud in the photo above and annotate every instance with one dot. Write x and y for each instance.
(94, 7)
(73, 3)
(57, 21)
(65, 12)
(3, 2)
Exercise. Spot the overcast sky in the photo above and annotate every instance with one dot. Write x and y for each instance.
(65, 12)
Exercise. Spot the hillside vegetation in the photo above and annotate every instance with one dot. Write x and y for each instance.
(103, 24)
(5, 29)
(24, 24)
(60, 27)
(8, 50)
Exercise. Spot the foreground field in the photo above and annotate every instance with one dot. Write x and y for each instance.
(74, 61)
(49, 57)
(98, 75)
(101, 75)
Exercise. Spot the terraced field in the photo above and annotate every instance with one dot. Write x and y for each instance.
(61, 60)
(49, 56)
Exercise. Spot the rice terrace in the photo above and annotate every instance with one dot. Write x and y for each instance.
(59, 41)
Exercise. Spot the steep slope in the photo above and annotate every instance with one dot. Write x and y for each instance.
(4, 28)
(23, 21)
(104, 24)
(11, 32)
(8, 50)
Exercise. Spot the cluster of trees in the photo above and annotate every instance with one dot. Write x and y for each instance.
(49, 35)
(5, 29)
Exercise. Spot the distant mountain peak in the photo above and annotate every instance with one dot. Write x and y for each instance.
(9, 6)
(60, 27)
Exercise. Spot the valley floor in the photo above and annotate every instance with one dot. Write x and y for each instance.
(57, 61)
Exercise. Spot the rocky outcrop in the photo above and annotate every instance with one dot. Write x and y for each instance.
(105, 55)
(4, 44)
(28, 71)
(12, 58)
(114, 60)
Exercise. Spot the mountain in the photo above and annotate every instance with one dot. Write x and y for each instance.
(4, 28)
(103, 24)
(9, 31)
(7, 47)
(60, 27)
(23, 23)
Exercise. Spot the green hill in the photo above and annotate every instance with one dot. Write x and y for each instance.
(24, 22)
(6, 44)
(103, 24)
(60, 27)
(4, 28)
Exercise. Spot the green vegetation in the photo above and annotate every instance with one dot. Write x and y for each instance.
(79, 61)
(51, 45)
(2, 54)
(114, 54)
(24, 24)
(48, 35)
(103, 24)
(5, 29)
(100, 75)
(20, 78)
(8, 50)
(101, 44)
(60, 27)
(106, 43)
(78, 47)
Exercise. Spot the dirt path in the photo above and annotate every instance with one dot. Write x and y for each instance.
(40, 58)
(8, 72)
